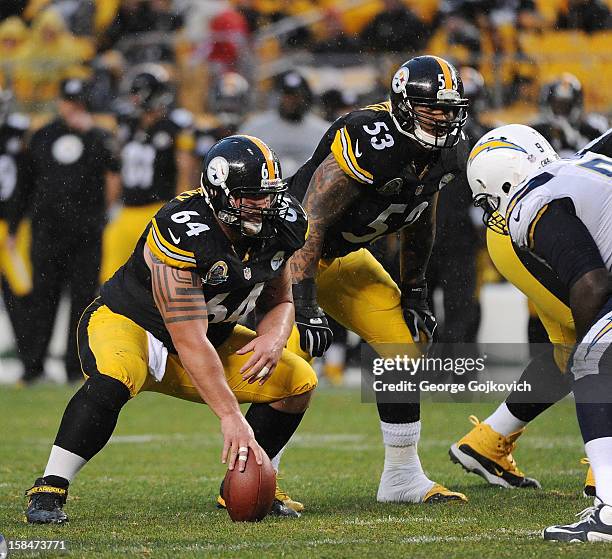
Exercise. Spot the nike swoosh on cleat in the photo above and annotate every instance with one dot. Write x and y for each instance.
(177, 240)
(499, 473)
(357, 152)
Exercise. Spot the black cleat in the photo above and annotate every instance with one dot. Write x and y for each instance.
(45, 504)
(595, 525)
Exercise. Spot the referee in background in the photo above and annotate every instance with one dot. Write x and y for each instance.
(74, 178)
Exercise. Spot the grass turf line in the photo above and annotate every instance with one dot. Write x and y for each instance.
(151, 492)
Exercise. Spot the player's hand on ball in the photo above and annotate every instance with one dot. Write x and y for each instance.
(238, 437)
(418, 317)
(267, 350)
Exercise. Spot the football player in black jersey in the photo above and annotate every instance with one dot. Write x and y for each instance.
(156, 161)
(167, 321)
(15, 267)
(377, 171)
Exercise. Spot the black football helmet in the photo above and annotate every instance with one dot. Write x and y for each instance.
(151, 88)
(428, 81)
(563, 98)
(239, 167)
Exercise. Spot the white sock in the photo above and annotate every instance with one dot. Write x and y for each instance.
(403, 477)
(63, 463)
(599, 452)
(276, 460)
(502, 421)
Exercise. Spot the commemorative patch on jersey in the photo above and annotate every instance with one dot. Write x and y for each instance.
(391, 188)
(217, 274)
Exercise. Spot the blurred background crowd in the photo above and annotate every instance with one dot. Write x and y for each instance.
(108, 106)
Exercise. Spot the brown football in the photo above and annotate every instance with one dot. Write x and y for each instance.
(249, 495)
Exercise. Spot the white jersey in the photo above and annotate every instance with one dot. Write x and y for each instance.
(586, 180)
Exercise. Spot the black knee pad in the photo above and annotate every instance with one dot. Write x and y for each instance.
(106, 392)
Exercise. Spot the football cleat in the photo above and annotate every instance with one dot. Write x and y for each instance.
(595, 525)
(400, 486)
(45, 503)
(286, 500)
(438, 494)
(589, 482)
(283, 505)
(489, 454)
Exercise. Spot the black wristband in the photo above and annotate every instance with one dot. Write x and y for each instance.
(305, 293)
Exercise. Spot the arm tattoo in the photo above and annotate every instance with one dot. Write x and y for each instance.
(178, 293)
(329, 194)
(416, 244)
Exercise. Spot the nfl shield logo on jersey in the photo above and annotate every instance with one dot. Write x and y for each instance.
(247, 274)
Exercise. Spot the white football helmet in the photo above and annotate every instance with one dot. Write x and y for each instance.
(497, 165)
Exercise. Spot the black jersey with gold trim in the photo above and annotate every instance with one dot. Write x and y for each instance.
(148, 156)
(398, 176)
(12, 157)
(185, 234)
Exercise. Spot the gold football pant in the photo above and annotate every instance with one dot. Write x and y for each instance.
(15, 265)
(122, 234)
(555, 315)
(113, 345)
(359, 294)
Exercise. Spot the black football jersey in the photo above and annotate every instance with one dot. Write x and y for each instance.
(148, 157)
(398, 177)
(12, 149)
(185, 234)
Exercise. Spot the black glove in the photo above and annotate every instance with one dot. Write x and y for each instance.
(315, 334)
(417, 315)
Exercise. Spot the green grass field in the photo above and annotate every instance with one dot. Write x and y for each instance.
(151, 492)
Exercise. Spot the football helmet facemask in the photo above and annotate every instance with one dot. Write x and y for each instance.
(431, 83)
(242, 182)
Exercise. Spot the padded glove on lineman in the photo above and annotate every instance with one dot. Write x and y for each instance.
(315, 334)
(417, 315)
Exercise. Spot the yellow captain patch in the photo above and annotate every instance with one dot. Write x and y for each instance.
(342, 148)
(167, 252)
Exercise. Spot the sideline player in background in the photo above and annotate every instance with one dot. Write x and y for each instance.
(561, 212)
(378, 171)
(73, 180)
(15, 268)
(156, 146)
(167, 321)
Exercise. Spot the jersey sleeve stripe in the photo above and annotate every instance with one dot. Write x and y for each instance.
(168, 245)
(448, 81)
(534, 223)
(352, 160)
(164, 255)
(343, 152)
(267, 153)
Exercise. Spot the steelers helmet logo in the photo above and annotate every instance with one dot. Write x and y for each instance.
(67, 149)
(217, 171)
(400, 80)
